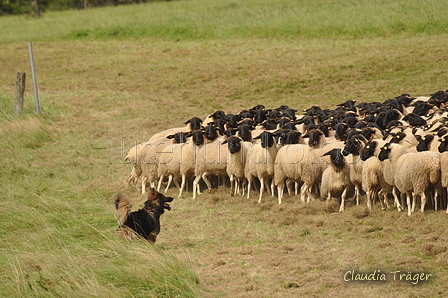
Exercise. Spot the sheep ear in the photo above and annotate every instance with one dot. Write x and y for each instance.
(328, 153)
(225, 142)
(170, 137)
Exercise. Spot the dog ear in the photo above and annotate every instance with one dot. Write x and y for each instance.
(152, 194)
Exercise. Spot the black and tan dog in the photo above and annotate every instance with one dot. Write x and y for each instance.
(144, 223)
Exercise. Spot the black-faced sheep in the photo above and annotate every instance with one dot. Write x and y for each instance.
(415, 173)
(260, 162)
(236, 162)
(178, 161)
(211, 160)
(336, 178)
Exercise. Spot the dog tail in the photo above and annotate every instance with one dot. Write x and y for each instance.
(123, 206)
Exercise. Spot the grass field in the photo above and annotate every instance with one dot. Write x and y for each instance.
(114, 76)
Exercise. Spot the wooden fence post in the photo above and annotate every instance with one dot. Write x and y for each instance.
(20, 90)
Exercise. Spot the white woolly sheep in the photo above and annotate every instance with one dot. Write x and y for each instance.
(260, 162)
(336, 178)
(236, 161)
(288, 165)
(211, 160)
(373, 181)
(314, 165)
(352, 149)
(415, 173)
(177, 160)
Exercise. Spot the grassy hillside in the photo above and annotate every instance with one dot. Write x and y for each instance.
(199, 20)
(111, 77)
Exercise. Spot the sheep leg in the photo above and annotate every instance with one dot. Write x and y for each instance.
(280, 189)
(413, 202)
(357, 194)
(153, 184)
(176, 182)
(205, 178)
(408, 201)
(244, 186)
(144, 180)
(249, 182)
(232, 185)
(303, 192)
(131, 177)
(261, 188)
(159, 185)
(239, 186)
(182, 186)
(288, 186)
(344, 194)
(296, 185)
(170, 179)
(266, 185)
(196, 186)
(272, 188)
(384, 200)
(436, 199)
(445, 197)
(396, 201)
(369, 199)
(423, 199)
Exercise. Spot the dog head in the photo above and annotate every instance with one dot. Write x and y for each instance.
(158, 201)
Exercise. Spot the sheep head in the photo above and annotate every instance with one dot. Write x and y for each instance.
(337, 159)
(384, 152)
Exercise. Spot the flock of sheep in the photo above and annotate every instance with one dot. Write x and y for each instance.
(394, 149)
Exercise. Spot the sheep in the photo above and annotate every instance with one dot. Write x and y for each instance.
(405, 138)
(414, 119)
(192, 124)
(313, 164)
(260, 162)
(244, 132)
(135, 156)
(288, 165)
(232, 120)
(149, 159)
(443, 149)
(336, 178)
(179, 160)
(133, 159)
(373, 177)
(428, 142)
(415, 173)
(236, 161)
(352, 149)
(211, 160)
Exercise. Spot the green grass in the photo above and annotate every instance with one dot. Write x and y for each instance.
(199, 20)
(113, 76)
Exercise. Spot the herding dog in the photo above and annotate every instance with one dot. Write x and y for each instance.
(144, 223)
